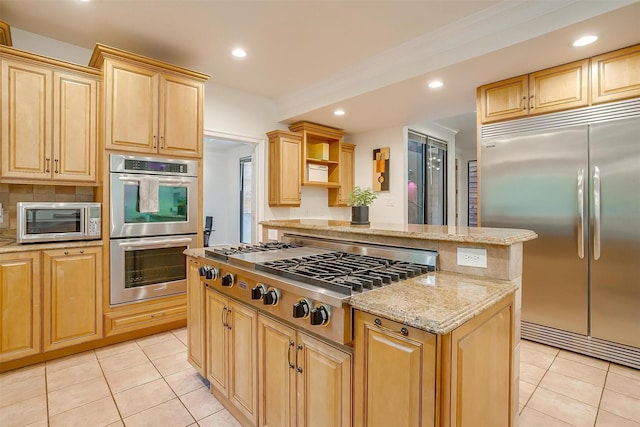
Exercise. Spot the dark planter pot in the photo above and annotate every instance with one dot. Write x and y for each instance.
(359, 215)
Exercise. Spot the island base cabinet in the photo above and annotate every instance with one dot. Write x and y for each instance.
(20, 304)
(478, 371)
(303, 381)
(231, 354)
(395, 374)
(195, 318)
(72, 297)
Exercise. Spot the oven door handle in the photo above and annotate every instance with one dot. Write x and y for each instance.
(153, 244)
(160, 180)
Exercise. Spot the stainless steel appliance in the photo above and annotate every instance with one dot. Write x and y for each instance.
(177, 196)
(307, 282)
(57, 221)
(573, 178)
(146, 248)
(148, 267)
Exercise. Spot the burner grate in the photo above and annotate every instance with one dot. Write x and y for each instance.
(223, 253)
(344, 272)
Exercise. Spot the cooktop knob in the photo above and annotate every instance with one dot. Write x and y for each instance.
(271, 297)
(203, 270)
(320, 315)
(212, 273)
(228, 279)
(258, 291)
(301, 309)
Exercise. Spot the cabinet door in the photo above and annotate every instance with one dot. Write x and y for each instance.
(615, 75)
(323, 384)
(284, 168)
(243, 359)
(195, 318)
(20, 304)
(395, 374)
(340, 196)
(506, 99)
(217, 343)
(181, 117)
(276, 348)
(131, 107)
(559, 88)
(72, 297)
(74, 130)
(26, 120)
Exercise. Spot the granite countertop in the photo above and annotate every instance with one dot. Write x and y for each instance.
(490, 236)
(8, 245)
(438, 302)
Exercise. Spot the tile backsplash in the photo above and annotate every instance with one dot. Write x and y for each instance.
(10, 194)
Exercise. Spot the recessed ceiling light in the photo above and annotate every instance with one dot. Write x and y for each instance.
(339, 112)
(583, 41)
(436, 84)
(239, 52)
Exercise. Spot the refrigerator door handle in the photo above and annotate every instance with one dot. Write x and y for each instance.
(596, 213)
(581, 213)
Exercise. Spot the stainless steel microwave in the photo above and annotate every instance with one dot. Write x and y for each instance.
(55, 222)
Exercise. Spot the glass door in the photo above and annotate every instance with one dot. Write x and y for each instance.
(246, 199)
(427, 180)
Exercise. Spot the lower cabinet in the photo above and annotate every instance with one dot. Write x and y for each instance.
(395, 374)
(409, 377)
(303, 381)
(72, 297)
(231, 331)
(21, 317)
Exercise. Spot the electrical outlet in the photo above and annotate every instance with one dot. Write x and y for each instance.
(472, 257)
(272, 234)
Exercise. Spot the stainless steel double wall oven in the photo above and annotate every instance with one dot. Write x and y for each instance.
(147, 259)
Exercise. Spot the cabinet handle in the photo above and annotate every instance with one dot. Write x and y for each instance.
(66, 252)
(82, 251)
(56, 170)
(162, 142)
(47, 169)
(298, 348)
(403, 331)
(153, 315)
(531, 104)
(224, 323)
(291, 345)
(155, 145)
(524, 102)
(228, 324)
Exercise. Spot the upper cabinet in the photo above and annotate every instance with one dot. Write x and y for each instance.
(284, 168)
(150, 106)
(616, 75)
(49, 114)
(546, 91)
(5, 34)
(320, 154)
(340, 196)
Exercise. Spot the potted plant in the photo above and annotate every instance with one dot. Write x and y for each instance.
(359, 200)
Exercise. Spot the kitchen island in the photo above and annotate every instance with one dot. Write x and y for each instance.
(436, 349)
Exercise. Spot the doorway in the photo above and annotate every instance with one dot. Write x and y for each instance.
(246, 199)
(427, 180)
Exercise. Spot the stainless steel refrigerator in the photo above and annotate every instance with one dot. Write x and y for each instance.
(573, 178)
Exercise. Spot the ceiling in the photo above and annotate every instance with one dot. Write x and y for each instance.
(372, 59)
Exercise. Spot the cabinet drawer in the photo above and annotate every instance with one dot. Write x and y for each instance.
(117, 323)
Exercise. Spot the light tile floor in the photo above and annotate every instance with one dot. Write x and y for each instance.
(148, 382)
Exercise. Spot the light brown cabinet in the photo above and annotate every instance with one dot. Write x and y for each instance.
(150, 106)
(395, 374)
(20, 315)
(135, 317)
(195, 318)
(284, 168)
(49, 116)
(232, 355)
(554, 89)
(615, 75)
(340, 196)
(409, 377)
(320, 147)
(72, 297)
(303, 381)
